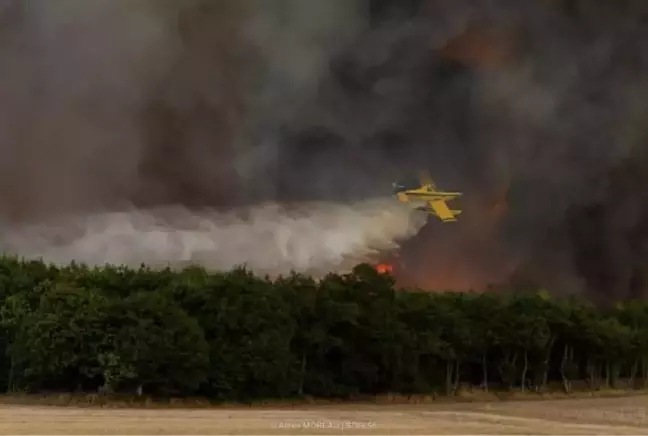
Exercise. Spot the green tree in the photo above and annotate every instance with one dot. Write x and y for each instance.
(151, 344)
(57, 345)
(249, 329)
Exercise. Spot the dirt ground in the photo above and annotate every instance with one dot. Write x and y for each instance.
(627, 415)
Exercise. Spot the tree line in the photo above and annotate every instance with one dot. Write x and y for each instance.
(234, 336)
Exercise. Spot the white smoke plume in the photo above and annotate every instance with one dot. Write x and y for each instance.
(269, 239)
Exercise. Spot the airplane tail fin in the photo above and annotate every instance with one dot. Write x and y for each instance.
(426, 179)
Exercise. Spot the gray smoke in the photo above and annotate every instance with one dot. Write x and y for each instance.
(269, 239)
(105, 103)
(74, 76)
(108, 104)
(296, 40)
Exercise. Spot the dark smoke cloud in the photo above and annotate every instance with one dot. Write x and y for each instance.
(524, 106)
(543, 101)
(111, 109)
(74, 77)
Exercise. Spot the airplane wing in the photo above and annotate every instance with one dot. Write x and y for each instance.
(442, 210)
(432, 196)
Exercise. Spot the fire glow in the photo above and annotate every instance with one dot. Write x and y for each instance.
(385, 268)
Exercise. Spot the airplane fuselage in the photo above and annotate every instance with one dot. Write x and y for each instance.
(428, 199)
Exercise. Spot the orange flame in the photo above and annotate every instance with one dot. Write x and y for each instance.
(384, 268)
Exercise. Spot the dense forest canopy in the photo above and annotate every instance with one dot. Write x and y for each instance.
(234, 336)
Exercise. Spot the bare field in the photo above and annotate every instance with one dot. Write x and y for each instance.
(626, 415)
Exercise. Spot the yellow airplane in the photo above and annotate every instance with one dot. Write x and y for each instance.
(434, 202)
